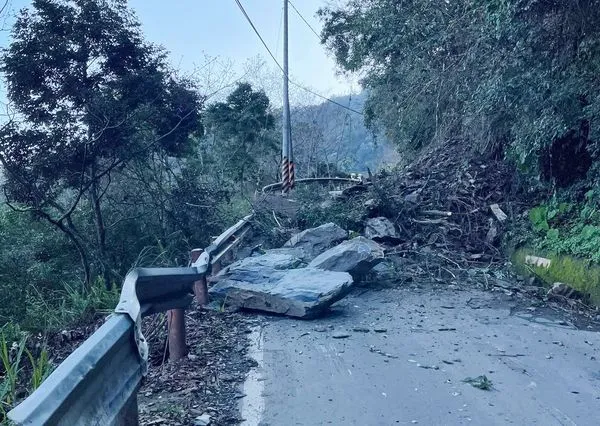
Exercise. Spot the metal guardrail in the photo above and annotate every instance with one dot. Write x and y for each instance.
(279, 185)
(97, 384)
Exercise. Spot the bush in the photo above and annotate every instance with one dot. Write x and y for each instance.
(565, 226)
(318, 207)
(34, 260)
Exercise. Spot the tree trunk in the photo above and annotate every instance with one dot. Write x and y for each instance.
(100, 226)
(85, 260)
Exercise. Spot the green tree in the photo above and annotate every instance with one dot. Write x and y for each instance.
(240, 135)
(90, 96)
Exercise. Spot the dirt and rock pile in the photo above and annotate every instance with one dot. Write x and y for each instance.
(448, 199)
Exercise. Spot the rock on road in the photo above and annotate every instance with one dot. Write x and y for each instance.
(544, 371)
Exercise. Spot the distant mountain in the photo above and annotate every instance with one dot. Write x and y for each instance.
(329, 138)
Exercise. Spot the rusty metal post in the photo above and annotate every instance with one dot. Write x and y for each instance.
(176, 324)
(216, 268)
(200, 287)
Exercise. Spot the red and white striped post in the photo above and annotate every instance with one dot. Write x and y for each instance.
(287, 161)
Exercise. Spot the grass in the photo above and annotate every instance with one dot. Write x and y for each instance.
(23, 370)
(41, 368)
(52, 312)
(11, 365)
(18, 379)
(581, 274)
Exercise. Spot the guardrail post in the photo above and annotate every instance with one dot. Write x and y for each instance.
(176, 324)
(200, 287)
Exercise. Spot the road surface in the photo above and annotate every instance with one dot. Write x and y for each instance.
(543, 370)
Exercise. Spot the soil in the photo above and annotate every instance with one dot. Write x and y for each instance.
(207, 381)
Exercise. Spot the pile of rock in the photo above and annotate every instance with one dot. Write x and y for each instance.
(313, 270)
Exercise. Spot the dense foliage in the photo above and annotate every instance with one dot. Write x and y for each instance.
(515, 74)
(90, 98)
(511, 79)
(240, 142)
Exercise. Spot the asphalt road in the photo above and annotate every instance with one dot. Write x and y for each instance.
(543, 370)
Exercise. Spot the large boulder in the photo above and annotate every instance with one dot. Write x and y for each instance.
(274, 259)
(380, 229)
(357, 256)
(301, 293)
(314, 241)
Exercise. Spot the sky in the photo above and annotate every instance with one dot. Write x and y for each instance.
(194, 30)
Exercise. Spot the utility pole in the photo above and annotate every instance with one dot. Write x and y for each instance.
(287, 160)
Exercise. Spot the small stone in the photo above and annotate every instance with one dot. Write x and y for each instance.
(361, 330)
(192, 357)
(340, 335)
(370, 204)
(413, 197)
(380, 330)
(203, 420)
(66, 335)
(380, 229)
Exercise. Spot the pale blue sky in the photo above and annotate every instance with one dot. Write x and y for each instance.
(191, 29)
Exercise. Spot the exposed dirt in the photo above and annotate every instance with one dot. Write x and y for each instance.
(63, 343)
(443, 199)
(207, 382)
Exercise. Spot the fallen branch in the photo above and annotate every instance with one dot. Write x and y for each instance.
(437, 213)
(429, 221)
(275, 217)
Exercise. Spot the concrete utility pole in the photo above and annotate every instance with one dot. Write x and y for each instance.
(287, 156)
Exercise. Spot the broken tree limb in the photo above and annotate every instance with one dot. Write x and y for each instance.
(500, 215)
(430, 221)
(437, 213)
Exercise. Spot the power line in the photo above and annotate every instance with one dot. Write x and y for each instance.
(279, 32)
(305, 21)
(325, 98)
(241, 7)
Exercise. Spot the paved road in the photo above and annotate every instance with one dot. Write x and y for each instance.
(544, 371)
